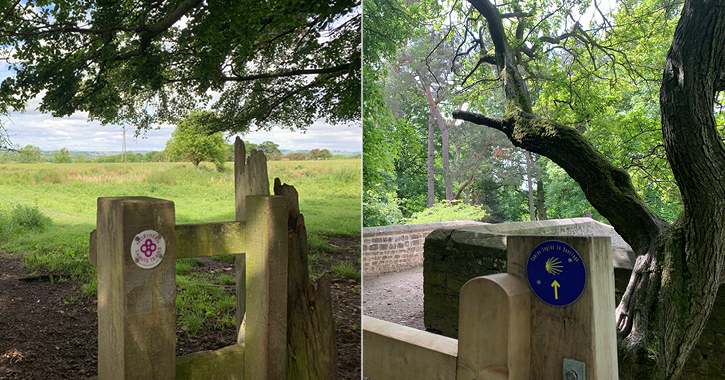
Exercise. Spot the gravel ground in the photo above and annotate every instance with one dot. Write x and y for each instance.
(395, 297)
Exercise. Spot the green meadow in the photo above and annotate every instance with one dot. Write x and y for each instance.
(48, 210)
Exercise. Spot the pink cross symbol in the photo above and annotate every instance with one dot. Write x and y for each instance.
(148, 248)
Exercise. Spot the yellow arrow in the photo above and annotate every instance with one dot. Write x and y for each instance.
(556, 286)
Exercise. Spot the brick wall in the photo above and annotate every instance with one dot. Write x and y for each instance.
(395, 248)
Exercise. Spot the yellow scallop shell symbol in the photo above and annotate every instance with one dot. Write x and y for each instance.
(553, 266)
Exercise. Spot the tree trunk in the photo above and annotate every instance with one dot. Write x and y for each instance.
(431, 161)
(445, 136)
(445, 129)
(529, 169)
(679, 266)
(540, 198)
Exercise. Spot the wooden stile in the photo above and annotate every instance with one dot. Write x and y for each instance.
(250, 178)
(494, 329)
(395, 352)
(266, 290)
(583, 331)
(136, 306)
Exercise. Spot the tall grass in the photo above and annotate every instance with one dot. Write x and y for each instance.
(36, 196)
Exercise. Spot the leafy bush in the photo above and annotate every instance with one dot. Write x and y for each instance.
(380, 209)
(447, 212)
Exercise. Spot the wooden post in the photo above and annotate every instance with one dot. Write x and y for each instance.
(266, 321)
(136, 306)
(396, 352)
(584, 330)
(494, 329)
(250, 178)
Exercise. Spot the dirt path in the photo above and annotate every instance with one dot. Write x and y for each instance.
(395, 297)
(49, 330)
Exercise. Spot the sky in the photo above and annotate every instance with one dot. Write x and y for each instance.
(76, 133)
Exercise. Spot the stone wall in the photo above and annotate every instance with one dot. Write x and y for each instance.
(395, 248)
(455, 255)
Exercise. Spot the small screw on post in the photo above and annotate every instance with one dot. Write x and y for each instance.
(571, 375)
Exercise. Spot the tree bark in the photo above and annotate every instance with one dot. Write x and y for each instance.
(445, 129)
(679, 267)
(529, 182)
(540, 198)
(431, 161)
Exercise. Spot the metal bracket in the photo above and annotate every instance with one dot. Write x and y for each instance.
(574, 370)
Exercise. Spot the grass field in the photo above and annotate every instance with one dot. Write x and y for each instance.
(48, 210)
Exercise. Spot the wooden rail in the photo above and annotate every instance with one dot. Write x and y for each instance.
(200, 240)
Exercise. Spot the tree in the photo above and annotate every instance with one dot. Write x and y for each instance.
(269, 148)
(154, 157)
(679, 265)
(317, 154)
(61, 156)
(192, 140)
(29, 154)
(275, 63)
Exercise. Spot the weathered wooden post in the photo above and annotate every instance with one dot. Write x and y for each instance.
(136, 257)
(250, 178)
(494, 329)
(266, 288)
(572, 304)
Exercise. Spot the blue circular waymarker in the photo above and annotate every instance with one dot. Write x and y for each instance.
(556, 273)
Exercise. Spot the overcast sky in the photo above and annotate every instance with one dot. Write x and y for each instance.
(77, 133)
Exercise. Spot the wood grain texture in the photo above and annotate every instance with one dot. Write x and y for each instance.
(266, 293)
(250, 178)
(199, 240)
(395, 352)
(494, 329)
(136, 306)
(584, 330)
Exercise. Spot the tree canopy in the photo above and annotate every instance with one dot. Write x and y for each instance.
(280, 63)
(192, 140)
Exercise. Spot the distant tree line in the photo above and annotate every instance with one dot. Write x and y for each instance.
(31, 154)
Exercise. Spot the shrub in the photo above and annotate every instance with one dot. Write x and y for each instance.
(447, 211)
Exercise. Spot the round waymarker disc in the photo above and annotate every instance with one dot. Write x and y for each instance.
(556, 273)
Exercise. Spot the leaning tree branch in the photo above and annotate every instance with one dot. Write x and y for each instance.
(148, 33)
(608, 188)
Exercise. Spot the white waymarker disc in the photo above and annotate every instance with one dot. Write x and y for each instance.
(147, 249)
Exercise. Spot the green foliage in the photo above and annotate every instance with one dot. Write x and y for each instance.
(192, 140)
(154, 157)
(139, 63)
(317, 154)
(29, 154)
(447, 212)
(381, 209)
(269, 148)
(61, 156)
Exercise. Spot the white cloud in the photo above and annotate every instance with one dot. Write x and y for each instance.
(75, 132)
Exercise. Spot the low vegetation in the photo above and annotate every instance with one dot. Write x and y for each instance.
(48, 210)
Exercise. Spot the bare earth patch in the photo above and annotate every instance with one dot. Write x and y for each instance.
(49, 330)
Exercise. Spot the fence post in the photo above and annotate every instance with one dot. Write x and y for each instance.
(266, 293)
(136, 260)
(583, 331)
(250, 178)
(494, 329)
